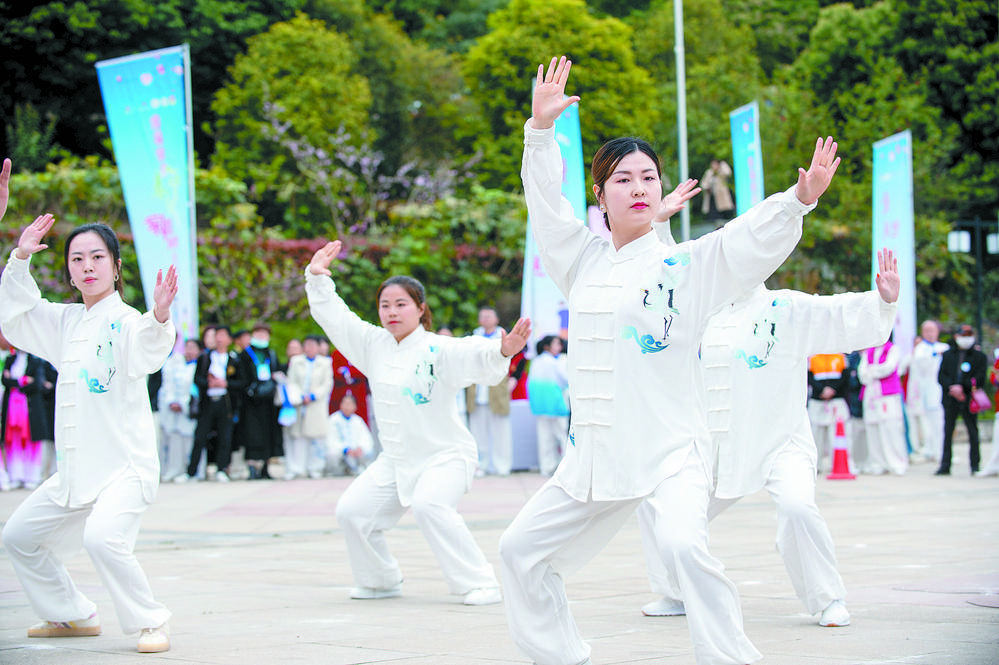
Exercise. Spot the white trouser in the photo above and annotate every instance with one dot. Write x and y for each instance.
(823, 416)
(992, 466)
(492, 437)
(41, 533)
(304, 455)
(366, 510)
(926, 432)
(176, 454)
(552, 432)
(886, 449)
(554, 535)
(803, 538)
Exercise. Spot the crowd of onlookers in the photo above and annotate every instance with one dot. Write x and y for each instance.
(229, 400)
(890, 409)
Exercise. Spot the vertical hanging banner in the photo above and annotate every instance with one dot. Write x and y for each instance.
(893, 226)
(747, 156)
(147, 102)
(540, 299)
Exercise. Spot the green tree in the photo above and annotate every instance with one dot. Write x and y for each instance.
(50, 49)
(306, 69)
(722, 73)
(615, 91)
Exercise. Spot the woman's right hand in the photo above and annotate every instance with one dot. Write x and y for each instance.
(549, 93)
(31, 237)
(322, 259)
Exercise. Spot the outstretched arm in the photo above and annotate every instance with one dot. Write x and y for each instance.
(888, 280)
(814, 182)
(549, 93)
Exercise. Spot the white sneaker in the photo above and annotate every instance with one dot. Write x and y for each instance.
(182, 478)
(154, 640)
(835, 615)
(220, 476)
(486, 596)
(664, 607)
(371, 593)
(84, 627)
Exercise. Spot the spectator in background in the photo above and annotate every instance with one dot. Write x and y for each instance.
(259, 431)
(717, 204)
(241, 340)
(310, 376)
(349, 447)
(828, 382)
(991, 468)
(546, 385)
(883, 419)
(25, 421)
(923, 396)
(177, 394)
(489, 409)
(292, 349)
(961, 369)
(219, 387)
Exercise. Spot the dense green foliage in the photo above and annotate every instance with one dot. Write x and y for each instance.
(395, 125)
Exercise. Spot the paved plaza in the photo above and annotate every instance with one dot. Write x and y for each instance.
(256, 572)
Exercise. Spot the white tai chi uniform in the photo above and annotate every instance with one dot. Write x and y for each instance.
(108, 465)
(428, 456)
(546, 384)
(177, 426)
(883, 420)
(636, 316)
(345, 434)
(924, 399)
(754, 357)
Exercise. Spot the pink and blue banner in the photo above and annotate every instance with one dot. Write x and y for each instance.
(147, 103)
(540, 299)
(893, 226)
(747, 156)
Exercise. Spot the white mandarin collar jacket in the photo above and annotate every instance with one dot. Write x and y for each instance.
(636, 316)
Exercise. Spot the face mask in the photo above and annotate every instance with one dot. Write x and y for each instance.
(964, 342)
(258, 343)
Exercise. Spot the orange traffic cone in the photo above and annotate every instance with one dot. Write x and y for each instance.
(841, 456)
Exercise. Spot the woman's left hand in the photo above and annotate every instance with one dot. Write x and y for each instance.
(675, 200)
(163, 294)
(516, 339)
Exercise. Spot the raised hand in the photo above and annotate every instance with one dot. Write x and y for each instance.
(319, 265)
(888, 280)
(31, 237)
(549, 93)
(516, 339)
(163, 294)
(675, 201)
(4, 187)
(813, 182)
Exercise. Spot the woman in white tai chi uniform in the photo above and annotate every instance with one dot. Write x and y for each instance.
(108, 465)
(754, 357)
(428, 456)
(637, 312)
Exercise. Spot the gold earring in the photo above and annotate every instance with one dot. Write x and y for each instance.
(72, 283)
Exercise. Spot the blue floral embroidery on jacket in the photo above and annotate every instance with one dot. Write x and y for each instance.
(426, 377)
(647, 343)
(94, 384)
(754, 362)
(418, 398)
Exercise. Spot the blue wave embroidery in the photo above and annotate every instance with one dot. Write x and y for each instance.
(417, 398)
(647, 343)
(683, 259)
(94, 385)
(754, 362)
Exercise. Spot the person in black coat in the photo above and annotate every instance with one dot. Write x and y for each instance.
(259, 431)
(962, 367)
